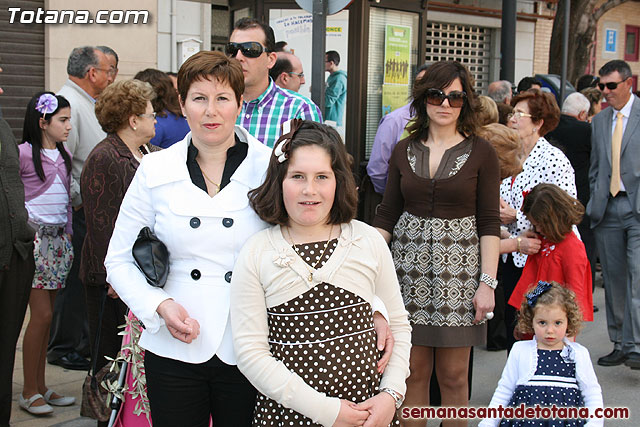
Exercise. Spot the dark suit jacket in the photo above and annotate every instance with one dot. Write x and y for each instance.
(600, 171)
(15, 233)
(574, 138)
(106, 175)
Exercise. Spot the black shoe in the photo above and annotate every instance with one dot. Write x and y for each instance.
(72, 361)
(615, 358)
(633, 360)
(595, 309)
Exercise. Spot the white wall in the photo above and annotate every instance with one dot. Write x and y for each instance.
(193, 20)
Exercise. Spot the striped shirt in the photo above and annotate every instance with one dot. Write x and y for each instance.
(51, 206)
(263, 116)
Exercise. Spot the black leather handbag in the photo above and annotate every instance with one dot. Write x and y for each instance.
(152, 257)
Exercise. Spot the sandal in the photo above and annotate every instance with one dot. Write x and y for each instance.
(34, 410)
(58, 401)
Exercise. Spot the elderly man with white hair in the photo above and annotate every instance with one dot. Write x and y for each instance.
(500, 91)
(573, 135)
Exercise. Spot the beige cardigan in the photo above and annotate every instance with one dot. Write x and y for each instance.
(268, 273)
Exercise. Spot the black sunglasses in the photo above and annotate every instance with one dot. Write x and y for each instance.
(611, 85)
(248, 49)
(437, 97)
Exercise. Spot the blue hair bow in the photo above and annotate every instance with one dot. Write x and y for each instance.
(532, 297)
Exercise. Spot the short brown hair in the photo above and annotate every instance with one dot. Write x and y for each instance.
(207, 64)
(440, 75)
(553, 209)
(120, 100)
(166, 96)
(487, 111)
(557, 294)
(508, 146)
(267, 200)
(542, 106)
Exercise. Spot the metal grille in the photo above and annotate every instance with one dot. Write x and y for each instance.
(467, 44)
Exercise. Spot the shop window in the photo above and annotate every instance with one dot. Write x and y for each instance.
(632, 34)
(378, 20)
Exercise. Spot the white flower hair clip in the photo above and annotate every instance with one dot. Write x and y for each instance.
(283, 145)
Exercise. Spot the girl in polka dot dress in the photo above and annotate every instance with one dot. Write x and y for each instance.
(302, 294)
(550, 369)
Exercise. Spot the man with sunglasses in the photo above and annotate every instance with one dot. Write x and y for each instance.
(614, 209)
(287, 72)
(265, 106)
(90, 70)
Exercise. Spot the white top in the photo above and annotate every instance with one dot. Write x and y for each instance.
(203, 235)
(51, 206)
(522, 364)
(269, 273)
(547, 164)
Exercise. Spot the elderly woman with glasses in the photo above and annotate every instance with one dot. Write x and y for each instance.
(535, 113)
(125, 113)
(440, 212)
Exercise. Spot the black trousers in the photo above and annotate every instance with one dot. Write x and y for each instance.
(188, 394)
(15, 288)
(510, 276)
(589, 239)
(69, 326)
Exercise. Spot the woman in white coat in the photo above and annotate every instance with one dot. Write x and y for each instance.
(193, 195)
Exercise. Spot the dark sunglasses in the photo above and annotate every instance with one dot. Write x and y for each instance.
(437, 97)
(248, 49)
(611, 85)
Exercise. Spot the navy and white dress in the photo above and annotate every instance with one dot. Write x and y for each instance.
(554, 383)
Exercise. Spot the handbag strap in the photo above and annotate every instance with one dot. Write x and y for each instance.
(94, 353)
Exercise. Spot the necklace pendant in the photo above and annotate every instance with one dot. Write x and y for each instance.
(310, 277)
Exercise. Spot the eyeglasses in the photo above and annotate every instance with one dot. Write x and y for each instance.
(248, 49)
(437, 97)
(301, 75)
(110, 71)
(611, 85)
(518, 115)
(150, 115)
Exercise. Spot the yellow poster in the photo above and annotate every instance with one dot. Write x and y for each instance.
(394, 96)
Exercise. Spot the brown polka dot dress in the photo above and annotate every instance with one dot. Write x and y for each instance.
(326, 336)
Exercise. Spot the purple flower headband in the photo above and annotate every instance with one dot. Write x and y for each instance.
(532, 297)
(282, 146)
(47, 104)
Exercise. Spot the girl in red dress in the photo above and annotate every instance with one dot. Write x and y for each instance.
(562, 257)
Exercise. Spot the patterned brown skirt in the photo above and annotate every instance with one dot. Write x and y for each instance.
(325, 336)
(438, 265)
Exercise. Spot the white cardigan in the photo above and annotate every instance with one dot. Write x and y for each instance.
(204, 236)
(269, 273)
(521, 366)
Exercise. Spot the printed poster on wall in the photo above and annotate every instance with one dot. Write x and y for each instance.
(393, 96)
(397, 52)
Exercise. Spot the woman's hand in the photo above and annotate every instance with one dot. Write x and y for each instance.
(381, 408)
(181, 326)
(507, 213)
(385, 340)
(529, 243)
(483, 301)
(350, 415)
(111, 292)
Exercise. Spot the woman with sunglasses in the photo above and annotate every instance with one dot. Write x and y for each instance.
(535, 113)
(440, 212)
